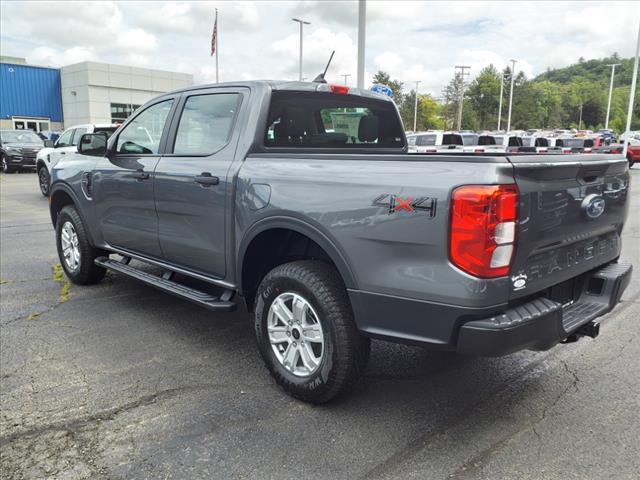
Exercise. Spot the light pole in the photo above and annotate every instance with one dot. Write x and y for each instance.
(500, 104)
(302, 23)
(362, 25)
(415, 107)
(513, 76)
(613, 72)
(345, 75)
(632, 94)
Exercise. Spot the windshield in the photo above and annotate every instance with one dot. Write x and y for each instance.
(451, 139)
(18, 136)
(108, 131)
(426, 140)
(470, 139)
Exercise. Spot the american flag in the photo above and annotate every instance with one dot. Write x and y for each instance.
(214, 35)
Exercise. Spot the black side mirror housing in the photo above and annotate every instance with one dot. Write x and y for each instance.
(93, 144)
(49, 143)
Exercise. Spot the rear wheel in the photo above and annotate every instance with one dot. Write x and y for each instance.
(44, 180)
(306, 332)
(76, 254)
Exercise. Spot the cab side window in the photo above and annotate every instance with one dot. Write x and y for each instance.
(205, 124)
(65, 139)
(76, 136)
(143, 134)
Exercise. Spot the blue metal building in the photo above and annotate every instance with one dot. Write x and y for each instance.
(29, 93)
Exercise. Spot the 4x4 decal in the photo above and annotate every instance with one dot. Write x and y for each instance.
(394, 203)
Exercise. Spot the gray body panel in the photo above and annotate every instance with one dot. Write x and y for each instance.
(403, 254)
(395, 265)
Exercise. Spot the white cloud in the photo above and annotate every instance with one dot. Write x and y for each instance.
(50, 56)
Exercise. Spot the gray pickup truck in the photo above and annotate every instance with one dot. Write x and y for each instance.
(301, 199)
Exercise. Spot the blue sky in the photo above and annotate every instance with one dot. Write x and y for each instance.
(411, 40)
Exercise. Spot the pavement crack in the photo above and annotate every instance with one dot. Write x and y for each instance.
(63, 296)
(75, 424)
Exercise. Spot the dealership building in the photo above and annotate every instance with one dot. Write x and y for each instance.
(52, 99)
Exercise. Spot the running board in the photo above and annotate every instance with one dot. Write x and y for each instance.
(164, 283)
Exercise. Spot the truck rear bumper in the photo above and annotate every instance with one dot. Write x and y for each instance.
(537, 324)
(541, 323)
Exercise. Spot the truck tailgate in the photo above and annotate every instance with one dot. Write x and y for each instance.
(572, 209)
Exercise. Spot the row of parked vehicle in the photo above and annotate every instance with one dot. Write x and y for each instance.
(532, 141)
(26, 150)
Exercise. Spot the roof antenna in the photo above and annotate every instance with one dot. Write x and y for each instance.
(320, 77)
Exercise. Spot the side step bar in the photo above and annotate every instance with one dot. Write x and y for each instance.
(164, 283)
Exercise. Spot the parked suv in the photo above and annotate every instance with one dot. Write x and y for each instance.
(18, 150)
(66, 143)
(331, 233)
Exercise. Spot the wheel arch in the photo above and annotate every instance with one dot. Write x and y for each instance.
(60, 196)
(259, 232)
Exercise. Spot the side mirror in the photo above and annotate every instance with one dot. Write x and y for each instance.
(49, 143)
(93, 144)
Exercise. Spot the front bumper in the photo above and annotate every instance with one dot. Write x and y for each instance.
(541, 323)
(21, 161)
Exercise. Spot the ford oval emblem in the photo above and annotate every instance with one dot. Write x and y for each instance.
(593, 205)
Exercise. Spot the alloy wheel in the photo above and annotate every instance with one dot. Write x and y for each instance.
(295, 334)
(70, 249)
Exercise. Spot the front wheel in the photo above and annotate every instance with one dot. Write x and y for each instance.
(6, 168)
(306, 332)
(44, 180)
(76, 253)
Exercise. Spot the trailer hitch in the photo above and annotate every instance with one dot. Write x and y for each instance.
(591, 329)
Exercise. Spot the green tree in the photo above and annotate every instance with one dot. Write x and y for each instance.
(429, 114)
(483, 96)
(395, 85)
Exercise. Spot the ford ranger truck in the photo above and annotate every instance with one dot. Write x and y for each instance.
(300, 200)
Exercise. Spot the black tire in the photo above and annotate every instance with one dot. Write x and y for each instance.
(44, 180)
(346, 351)
(87, 272)
(6, 168)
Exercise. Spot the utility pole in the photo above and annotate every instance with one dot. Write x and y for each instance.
(362, 25)
(345, 75)
(613, 72)
(632, 95)
(461, 71)
(513, 76)
(580, 119)
(415, 107)
(302, 23)
(500, 104)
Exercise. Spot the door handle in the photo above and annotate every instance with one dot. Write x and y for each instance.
(63, 153)
(139, 176)
(206, 179)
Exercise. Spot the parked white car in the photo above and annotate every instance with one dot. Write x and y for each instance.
(65, 144)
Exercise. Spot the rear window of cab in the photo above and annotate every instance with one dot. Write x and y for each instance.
(316, 120)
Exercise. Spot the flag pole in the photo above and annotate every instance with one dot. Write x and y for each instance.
(217, 49)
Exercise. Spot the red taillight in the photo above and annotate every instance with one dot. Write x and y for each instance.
(483, 229)
(339, 89)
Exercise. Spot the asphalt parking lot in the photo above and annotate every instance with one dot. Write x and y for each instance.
(119, 381)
